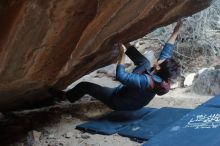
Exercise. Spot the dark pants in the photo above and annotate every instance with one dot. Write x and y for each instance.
(142, 63)
(101, 93)
(104, 94)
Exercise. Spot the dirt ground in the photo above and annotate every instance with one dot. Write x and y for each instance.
(55, 125)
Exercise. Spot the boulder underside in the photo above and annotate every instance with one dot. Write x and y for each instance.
(52, 42)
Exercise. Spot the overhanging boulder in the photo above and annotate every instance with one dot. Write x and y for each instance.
(50, 42)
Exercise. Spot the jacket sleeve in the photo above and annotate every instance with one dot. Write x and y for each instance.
(132, 79)
(167, 51)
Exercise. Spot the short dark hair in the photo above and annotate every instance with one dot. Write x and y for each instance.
(169, 69)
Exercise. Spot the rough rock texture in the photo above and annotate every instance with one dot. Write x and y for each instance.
(207, 82)
(54, 42)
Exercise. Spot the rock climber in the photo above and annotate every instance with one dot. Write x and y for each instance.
(137, 88)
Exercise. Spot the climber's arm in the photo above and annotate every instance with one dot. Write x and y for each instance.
(168, 47)
(175, 33)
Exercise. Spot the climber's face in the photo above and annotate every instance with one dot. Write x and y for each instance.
(156, 65)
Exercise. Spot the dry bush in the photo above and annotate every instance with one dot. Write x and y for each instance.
(198, 45)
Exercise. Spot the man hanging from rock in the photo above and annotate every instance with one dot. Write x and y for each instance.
(138, 88)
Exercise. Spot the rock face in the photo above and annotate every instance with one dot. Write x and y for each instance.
(207, 82)
(52, 42)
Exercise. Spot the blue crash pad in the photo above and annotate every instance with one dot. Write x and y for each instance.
(115, 121)
(201, 127)
(213, 102)
(153, 123)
